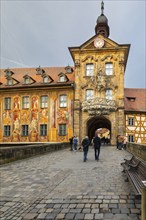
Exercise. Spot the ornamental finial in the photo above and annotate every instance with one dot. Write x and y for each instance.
(102, 7)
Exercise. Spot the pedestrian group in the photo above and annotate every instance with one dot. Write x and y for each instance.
(96, 141)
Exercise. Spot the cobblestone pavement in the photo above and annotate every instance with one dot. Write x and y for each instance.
(59, 185)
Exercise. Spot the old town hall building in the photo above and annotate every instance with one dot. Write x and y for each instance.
(52, 104)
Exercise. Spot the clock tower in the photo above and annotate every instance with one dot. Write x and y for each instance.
(100, 65)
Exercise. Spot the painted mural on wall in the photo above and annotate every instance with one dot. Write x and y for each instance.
(16, 103)
(34, 116)
(63, 116)
(16, 119)
(7, 117)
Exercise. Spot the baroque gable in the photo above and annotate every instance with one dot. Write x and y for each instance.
(108, 43)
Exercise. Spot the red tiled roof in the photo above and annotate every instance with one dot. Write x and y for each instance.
(19, 73)
(135, 99)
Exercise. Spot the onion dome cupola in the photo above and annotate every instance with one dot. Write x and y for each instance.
(102, 23)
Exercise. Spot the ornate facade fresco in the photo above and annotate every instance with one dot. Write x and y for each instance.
(34, 117)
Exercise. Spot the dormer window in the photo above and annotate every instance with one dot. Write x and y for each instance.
(8, 72)
(131, 99)
(45, 79)
(68, 69)
(27, 80)
(62, 78)
(9, 81)
(40, 71)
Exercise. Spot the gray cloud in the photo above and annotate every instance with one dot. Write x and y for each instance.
(37, 33)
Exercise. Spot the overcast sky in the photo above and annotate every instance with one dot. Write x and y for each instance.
(39, 32)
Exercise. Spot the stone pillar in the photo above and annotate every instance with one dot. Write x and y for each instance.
(76, 129)
(113, 128)
(121, 122)
(143, 204)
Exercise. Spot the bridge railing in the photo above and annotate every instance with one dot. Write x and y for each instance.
(138, 150)
(11, 152)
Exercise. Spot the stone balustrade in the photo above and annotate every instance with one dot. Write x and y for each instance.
(10, 152)
(138, 150)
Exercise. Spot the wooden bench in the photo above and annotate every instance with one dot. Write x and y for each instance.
(135, 169)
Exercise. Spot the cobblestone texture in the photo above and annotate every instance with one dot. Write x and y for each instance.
(59, 185)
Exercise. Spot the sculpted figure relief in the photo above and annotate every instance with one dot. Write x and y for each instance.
(99, 106)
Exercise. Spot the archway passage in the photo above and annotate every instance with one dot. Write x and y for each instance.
(95, 123)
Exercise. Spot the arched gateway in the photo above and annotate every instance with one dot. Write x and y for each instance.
(97, 122)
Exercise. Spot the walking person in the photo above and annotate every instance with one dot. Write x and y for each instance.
(120, 142)
(117, 143)
(85, 144)
(71, 143)
(97, 145)
(75, 143)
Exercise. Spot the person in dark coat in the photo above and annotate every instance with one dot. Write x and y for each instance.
(71, 143)
(97, 145)
(85, 144)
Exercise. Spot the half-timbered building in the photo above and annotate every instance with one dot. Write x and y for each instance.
(135, 115)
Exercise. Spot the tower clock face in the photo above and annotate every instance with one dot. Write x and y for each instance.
(98, 42)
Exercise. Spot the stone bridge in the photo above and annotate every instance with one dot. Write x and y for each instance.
(59, 185)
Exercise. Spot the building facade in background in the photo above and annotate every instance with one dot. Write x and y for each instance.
(135, 115)
(52, 104)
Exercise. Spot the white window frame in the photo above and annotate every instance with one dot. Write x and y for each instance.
(89, 94)
(25, 102)
(26, 80)
(9, 82)
(45, 79)
(62, 78)
(109, 69)
(44, 101)
(7, 103)
(109, 94)
(63, 101)
(89, 69)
